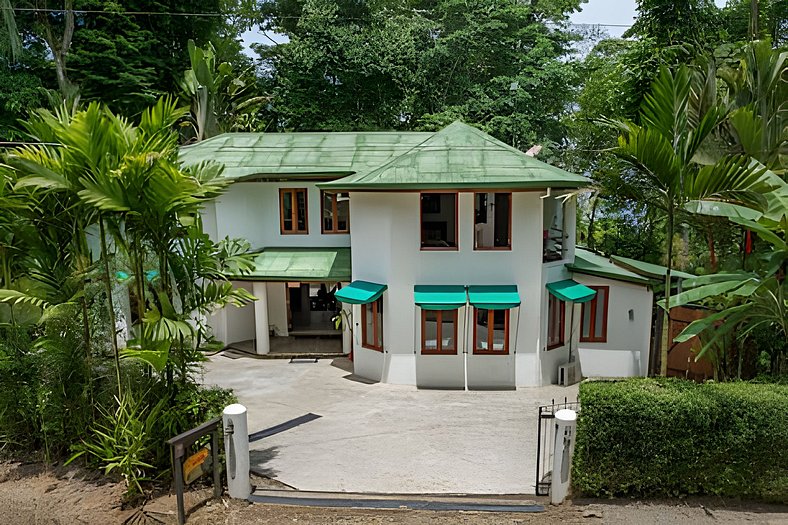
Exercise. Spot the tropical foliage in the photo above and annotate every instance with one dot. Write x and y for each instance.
(98, 210)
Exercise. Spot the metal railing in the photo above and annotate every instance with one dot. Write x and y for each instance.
(545, 440)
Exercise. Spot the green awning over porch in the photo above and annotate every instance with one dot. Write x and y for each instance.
(300, 264)
(572, 291)
(439, 297)
(360, 292)
(494, 297)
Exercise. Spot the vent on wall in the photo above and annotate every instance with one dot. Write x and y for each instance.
(569, 374)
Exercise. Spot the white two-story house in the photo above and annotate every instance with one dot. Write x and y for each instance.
(450, 257)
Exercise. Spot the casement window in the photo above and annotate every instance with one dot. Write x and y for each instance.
(556, 312)
(439, 332)
(492, 224)
(594, 317)
(491, 331)
(293, 210)
(335, 212)
(372, 325)
(439, 221)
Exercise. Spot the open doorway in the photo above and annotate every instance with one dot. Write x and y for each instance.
(312, 308)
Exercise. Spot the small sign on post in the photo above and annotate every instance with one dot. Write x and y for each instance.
(186, 470)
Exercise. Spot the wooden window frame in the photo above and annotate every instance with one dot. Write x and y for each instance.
(334, 213)
(490, 332)
(438, 350)
(593, 304)
(456, 223)
(562, 329)
(493, 248)
(294, 216)
(376, 330)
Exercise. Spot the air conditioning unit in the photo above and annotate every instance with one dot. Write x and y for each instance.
(569, 374)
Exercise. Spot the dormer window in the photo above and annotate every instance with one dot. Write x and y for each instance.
(439, 221)
(293, 211)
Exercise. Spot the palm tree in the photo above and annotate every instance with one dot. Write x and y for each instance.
(674, 150)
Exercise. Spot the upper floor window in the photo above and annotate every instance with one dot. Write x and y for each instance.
(492, 225)
(594, 317)
(491, 331)
(439, 331)
(556, 312)
(336, 212)
(292, 210)
(439, 221)
(372, 325)
(553, 229)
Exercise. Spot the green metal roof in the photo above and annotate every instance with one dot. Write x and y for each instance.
(652, 271)
(360, 292)
(439, 297)
(572, 291)
(300, 264)
(494, 297)
(460, 156)
(287, 155)
(592, 264)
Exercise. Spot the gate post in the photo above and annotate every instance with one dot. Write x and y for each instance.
(236, 449)
(565, 426)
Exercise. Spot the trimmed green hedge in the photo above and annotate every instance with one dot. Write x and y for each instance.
(665, 437)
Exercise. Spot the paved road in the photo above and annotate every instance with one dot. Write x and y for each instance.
(385, 438)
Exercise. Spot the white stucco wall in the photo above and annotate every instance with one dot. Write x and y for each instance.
(277, 308)
(625, 354)
(232, 324)
(250, 210)
(386, 249)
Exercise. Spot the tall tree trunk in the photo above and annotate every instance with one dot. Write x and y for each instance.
(590, 233)
(110, 305)
(60, 45)
(754, 15)
(666, 339)
(712, 253)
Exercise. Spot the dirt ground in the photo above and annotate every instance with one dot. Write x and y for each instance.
(34, 494)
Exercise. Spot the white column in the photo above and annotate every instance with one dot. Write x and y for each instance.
(236, 451)
(262, 341)
(565, 425)
(347, 319)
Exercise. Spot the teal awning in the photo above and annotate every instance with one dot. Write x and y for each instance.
(439, 297)
(360, 292)
(496, 297)
(572, 291)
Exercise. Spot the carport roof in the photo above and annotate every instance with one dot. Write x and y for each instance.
(300, 264)
(589, 263)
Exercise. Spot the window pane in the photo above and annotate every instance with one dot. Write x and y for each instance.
(328, 216)
(369, 328)
(448, 321)
(499, 329)
(379, 322)
(586, 329)
(430, 330)
(438, 220)
(287, 210)
(481, 329)
(301, 203)
(343, 212)
(599, 324)
(502, 234)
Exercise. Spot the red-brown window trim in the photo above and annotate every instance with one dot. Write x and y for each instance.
(334, 213)
(490, 331)
(562, 308)
(593, 304)
(294, 217)
(495, 248)
(375, 328)
(438, 350)
(456, 223)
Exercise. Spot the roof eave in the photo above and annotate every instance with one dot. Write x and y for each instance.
(612, 276)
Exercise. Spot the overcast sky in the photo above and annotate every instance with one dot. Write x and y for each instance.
(615, 12)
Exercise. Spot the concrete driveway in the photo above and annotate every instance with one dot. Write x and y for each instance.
(384, 438)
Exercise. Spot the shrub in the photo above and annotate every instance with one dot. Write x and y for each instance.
(667, 437)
